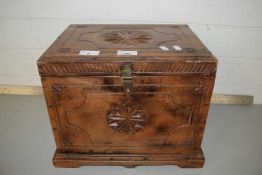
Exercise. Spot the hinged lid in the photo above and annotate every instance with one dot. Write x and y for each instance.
(100, 49)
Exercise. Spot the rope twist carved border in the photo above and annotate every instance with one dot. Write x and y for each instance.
(110, 68)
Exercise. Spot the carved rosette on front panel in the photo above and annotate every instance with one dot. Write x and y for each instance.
(127, 117)
(126, 37)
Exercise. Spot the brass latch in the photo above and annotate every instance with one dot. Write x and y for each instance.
(127, 77)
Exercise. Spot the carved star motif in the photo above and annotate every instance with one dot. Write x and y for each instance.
(127, 37)
(128, 117)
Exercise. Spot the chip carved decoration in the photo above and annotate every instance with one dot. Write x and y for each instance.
(126, 37)
(89, 119)
(93, 68)
(127, 117)
(57, 89)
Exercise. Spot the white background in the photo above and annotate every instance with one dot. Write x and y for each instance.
(231, 29)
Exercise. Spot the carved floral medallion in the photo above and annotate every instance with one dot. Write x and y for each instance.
(127, 117)
(126, 37)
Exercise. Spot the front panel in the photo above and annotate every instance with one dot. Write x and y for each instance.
(95, 112)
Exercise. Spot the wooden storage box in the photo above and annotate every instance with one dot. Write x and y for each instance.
(128, 95)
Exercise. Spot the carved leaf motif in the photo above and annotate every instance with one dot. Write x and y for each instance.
(127, 117)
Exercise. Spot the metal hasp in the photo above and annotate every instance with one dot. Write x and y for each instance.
(127, 78)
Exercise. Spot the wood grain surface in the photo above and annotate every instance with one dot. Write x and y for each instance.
(149, 108)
